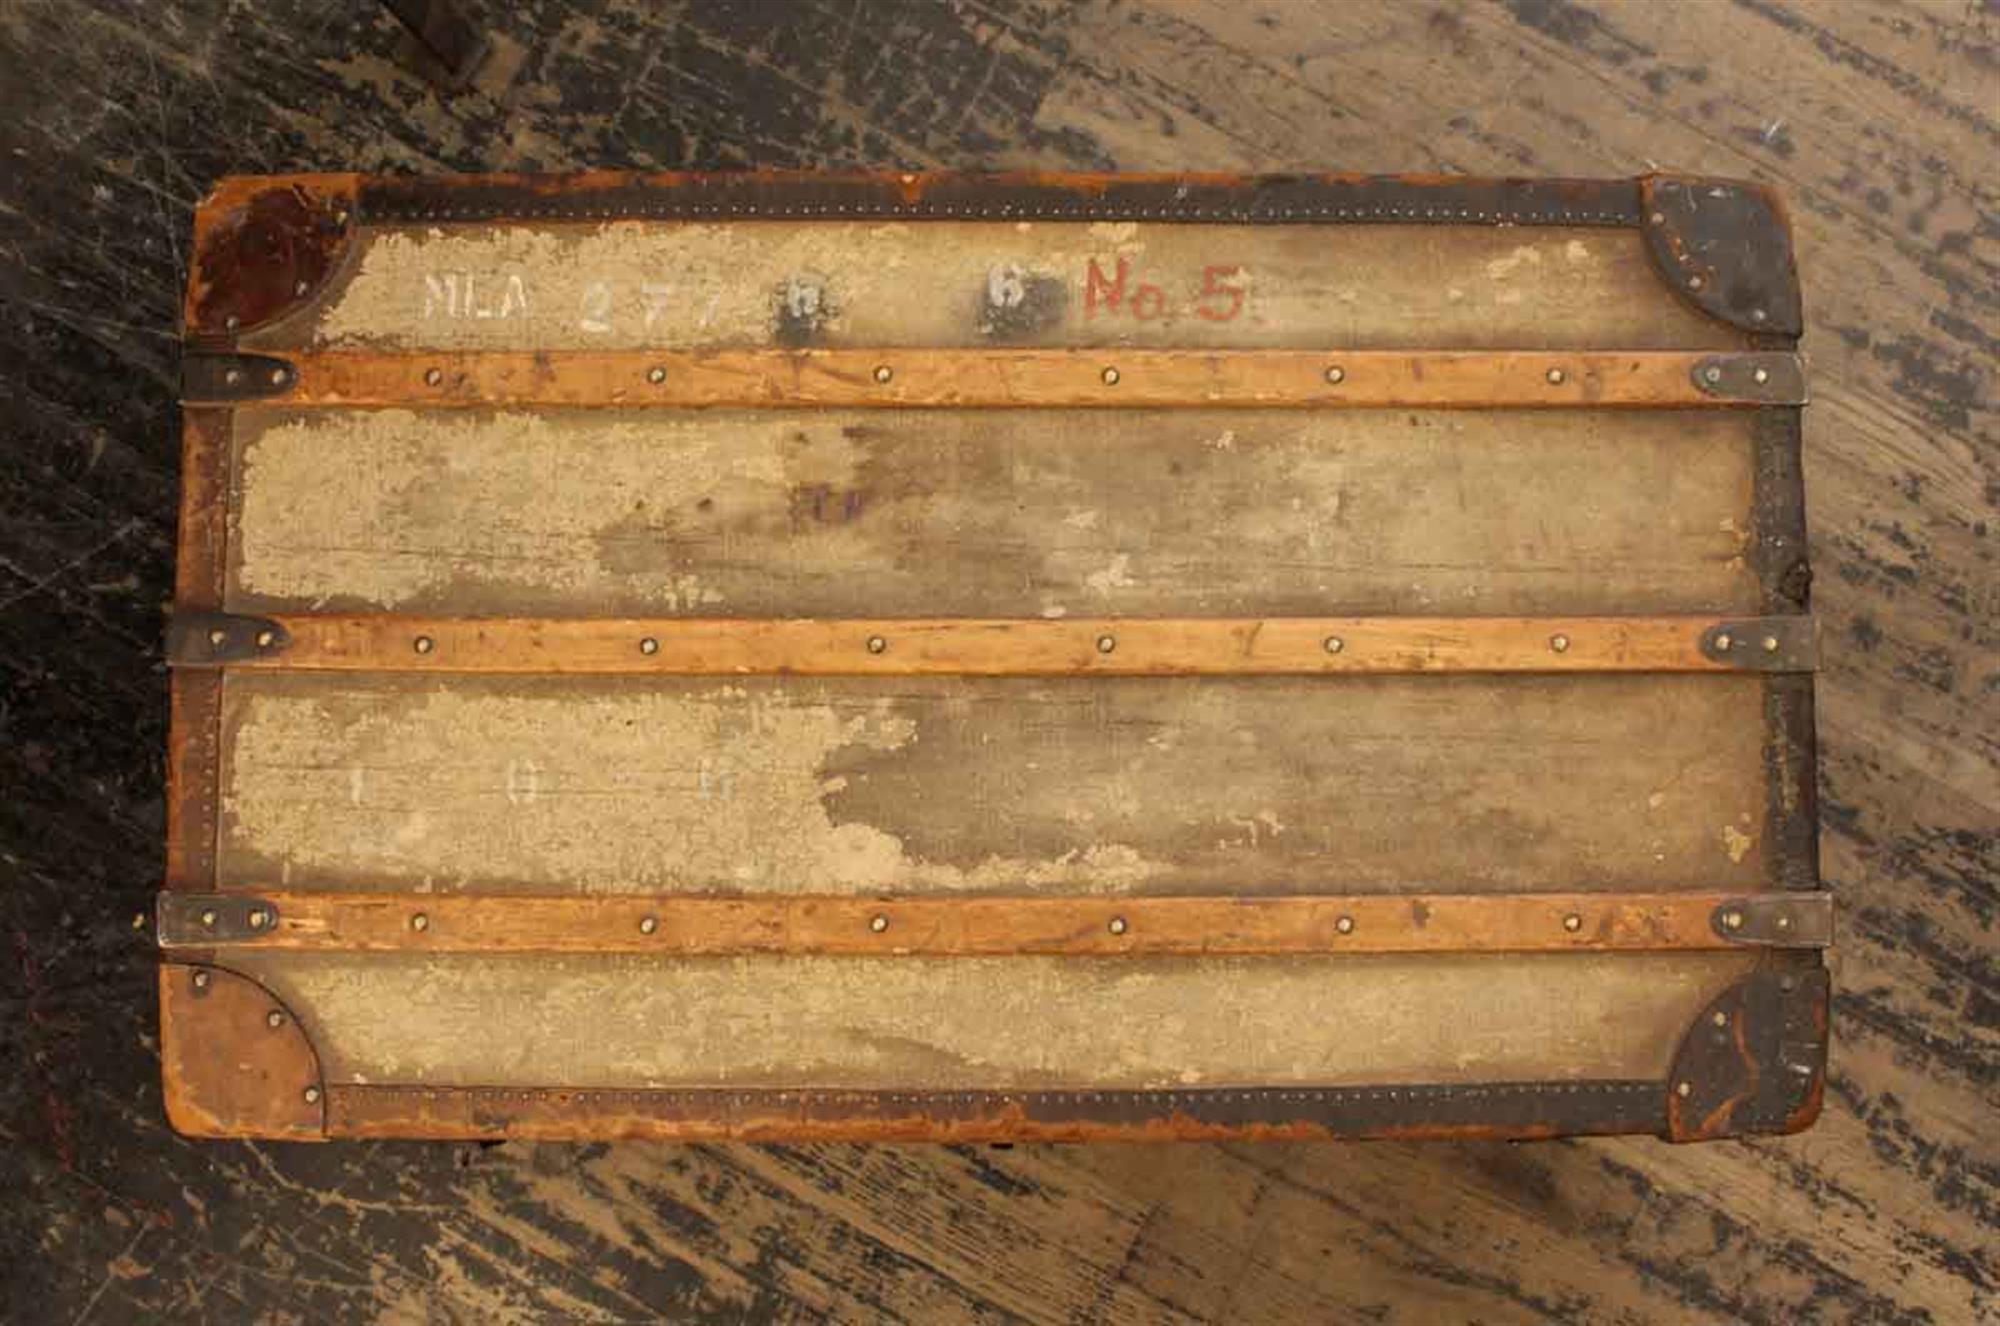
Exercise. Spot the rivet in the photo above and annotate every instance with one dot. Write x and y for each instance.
(217, 637)
(876, 644)
(201, 979)
(1559, 643)
(1555, 376)
(878, 923)
(656, 375)
(424, 644)
(1720, 1019)
(233, 376)
(1684, 1089)
(649, 646)
(266, 639)
(1725, 641)
(647, 925)
(1732, 920)
(1106, 643)
(1117, 925)
(312, 1095)
(883, 373)
(232, 322)
(258, 918)
(1782, 921)
(209, 918)
(1572, 923)
(420, 922)
(1788, 984)
(274, 1019)
(278, 376)
(1758, 315)
(1770, 644)
(1110, 377)
(1694, 283)
(1336, 375)
(433, 377)
(300, 287)
(1333, 644)
(1658, 218)
(1345, 925)
(1761, 376)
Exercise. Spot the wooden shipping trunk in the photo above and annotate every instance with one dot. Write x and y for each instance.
(917, 656)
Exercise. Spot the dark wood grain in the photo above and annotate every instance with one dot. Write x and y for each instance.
(1878, 121)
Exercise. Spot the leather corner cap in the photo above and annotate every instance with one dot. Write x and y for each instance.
(234, 1061)
(1725, 247)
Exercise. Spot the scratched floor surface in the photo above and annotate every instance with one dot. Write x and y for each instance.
(1879, 121)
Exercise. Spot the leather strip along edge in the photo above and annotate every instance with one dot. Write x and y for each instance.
(683, 925)
(973, 378)
(1127, 646)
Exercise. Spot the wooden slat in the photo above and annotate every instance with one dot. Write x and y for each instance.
(974, 378)
(1002, 646)
(1076, 926)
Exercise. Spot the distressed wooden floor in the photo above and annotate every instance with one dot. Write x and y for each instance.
(1879, 121)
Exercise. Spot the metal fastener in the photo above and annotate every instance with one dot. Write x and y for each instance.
(300, 287)
(1732, 920)
(1345, 925)
(656, 375)
(878, 923)
(649, 646)
(876, 644)
(647, 925)
(274, 1019)
(1770, 644)
(232, 376)
(1336, 375)
(232, 322)
(1725, 641)
(1556, 376)
(1712, 374)
(218, 637)
(265, 639)
(312, 1095)
(1683, 1089)
(1572, 923)
(201, 979)
(1333, 644)
(424, 644)
(209, 918)
(1658, 218)
(1117, 925)
(258, 918)
(278, 376)
(883, 373)
(1694, 283)
(1782, 921)
(1761, 376)
(1758, 315)
(1110, 377)
(420, 922)
(1559, 643)
(1106, 643)
(433, 377)
(1721, 1019)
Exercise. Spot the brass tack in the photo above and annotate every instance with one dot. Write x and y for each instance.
(258, 918)
(1106, 643)
(424, 644)
(878, 923)
(420, 922)
(1118, 925)
(1572, 923)
(265, 639)
(1110, 377)
(1694, 283)
(1721, 1019)
(876, 644)
(433, 377)
(1658, 218)
(300, 287)
(1758, 315)
(1345, 925)
(883, 373)
(201, 980)
(1732, 920)
(647, 925)
(1782, 921)
(1725, 641)
(656, 375)
(1788, 984)
(1761, 376)
(1684, 1089)
(1556, 376)
(233, 376)
(274, 1019)
(1333, 644)
(312, 1095)
(277, 377)
(218, 637)
(1559, 643)
(649, 646)
(209, 918)
(1770, 644)
(1336, 375)
(1712, 374)
(232, 322)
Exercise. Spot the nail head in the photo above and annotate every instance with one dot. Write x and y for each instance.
(420, 922)
(424, 644)
(274, 1019)
(1106, 643)
(1110, 377)
(656, 375)
(648, 925)
(649, 646)
(433, 377)
(876, 644)
(1556, 376)
(878, 923)
(883, 373)
(1559, 643)
(1345, 925)
(1334, 644)
(1572, 923)
(1336, 375)
(1118, 925)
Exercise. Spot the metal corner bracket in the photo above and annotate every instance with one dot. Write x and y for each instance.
(211, 639)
